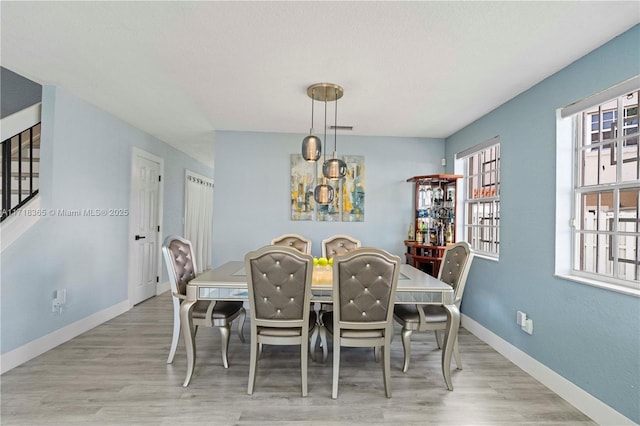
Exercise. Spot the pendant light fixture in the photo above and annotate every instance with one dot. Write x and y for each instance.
(324, 193)
(334, 168)
(311, 145)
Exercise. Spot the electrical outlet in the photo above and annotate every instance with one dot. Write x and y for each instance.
(59, 301)
(527, 327)
(521, 317)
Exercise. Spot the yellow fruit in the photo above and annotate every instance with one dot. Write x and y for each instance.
(331, 261)
(323, 261)
(315, 261)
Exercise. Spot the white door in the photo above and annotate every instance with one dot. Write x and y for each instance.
(144, 252)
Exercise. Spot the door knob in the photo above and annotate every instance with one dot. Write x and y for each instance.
(138, 237)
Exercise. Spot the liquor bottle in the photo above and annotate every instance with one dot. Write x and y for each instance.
(419, 237)
(449, 235)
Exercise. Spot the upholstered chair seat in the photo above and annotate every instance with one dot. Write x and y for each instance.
(410, 314)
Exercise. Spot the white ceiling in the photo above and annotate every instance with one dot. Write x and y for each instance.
(180, 70)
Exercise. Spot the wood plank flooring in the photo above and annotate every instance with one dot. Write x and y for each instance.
(116, 374)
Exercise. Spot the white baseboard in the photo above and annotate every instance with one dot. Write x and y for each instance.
(162, 287)
(591, 406)
(43, 344)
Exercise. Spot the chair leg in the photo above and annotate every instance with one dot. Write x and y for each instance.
(323, 343)
(456, 354)
(386, 367)
(176, 334)
(336, 367)
(376, 353)
(406, 345)
(253, 363)
(313, 341)
(304, 360)
(241, 319)
(224, 338)
(438, 338)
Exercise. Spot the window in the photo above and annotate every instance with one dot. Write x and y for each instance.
(605, 232)
(481, 197)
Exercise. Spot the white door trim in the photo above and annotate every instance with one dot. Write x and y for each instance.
(141, 153)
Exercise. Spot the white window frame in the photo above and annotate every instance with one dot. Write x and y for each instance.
(570, 128)
(467, 197)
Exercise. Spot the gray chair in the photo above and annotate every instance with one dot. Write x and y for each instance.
(456, 263)
(364, 287)
(295, 241)
(303, 245)
(333, 246)
(338, 245)
(181, 267)
(279, 284)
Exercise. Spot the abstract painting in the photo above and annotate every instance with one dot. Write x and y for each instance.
(349, 195)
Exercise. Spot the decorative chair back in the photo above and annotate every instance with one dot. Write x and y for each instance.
(456, 264)
(364, 286)
(279, 284)
(181, 265)
(338, 245)
(295, 241)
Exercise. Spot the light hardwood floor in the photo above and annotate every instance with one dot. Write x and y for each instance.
(116, 374)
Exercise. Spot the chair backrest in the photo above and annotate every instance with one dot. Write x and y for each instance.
(181, 265)
(295, 241)
(279, 284)
(338, 245)
(454, 270)
(364, 287)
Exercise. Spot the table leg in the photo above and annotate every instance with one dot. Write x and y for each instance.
(453, 323)
(186, 322)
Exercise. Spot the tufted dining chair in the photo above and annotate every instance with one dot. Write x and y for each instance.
(456, 263)
(295, 241)
(279, 284)
(181, 267)
(364, 287)
(338, 244)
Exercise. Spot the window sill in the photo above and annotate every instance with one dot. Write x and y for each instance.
(477, 255)
(601, 284)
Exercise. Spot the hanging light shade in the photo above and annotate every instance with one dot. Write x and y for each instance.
(311, 148)
(311, 145)
(334, 168)
(323, 193)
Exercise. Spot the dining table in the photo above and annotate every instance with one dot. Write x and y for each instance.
(228, 282)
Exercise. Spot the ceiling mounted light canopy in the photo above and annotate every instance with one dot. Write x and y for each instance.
(324, 92)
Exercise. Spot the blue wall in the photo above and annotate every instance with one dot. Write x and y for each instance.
(588, 335)
(252, 199)
(86, 164)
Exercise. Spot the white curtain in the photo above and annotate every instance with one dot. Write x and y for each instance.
(198, 217)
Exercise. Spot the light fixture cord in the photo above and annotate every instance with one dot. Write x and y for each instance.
(335, 128)
(312, 102)
(325, 123)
